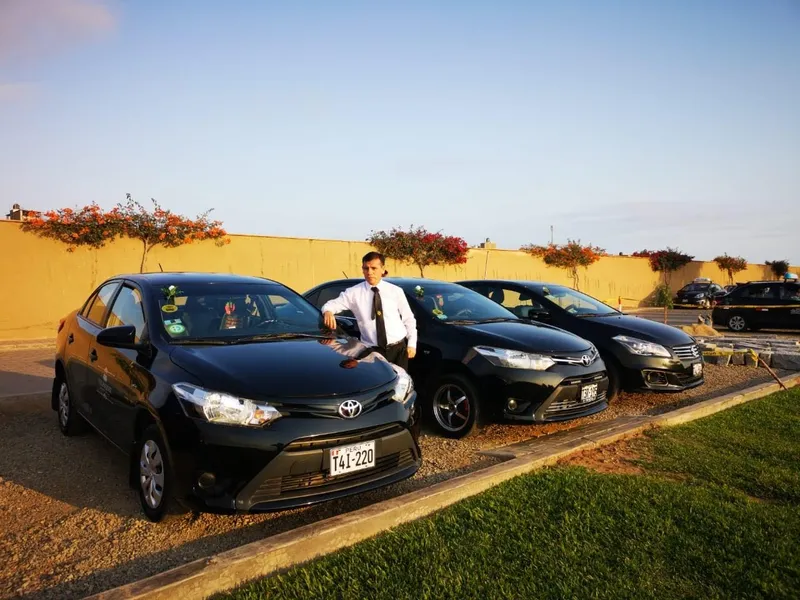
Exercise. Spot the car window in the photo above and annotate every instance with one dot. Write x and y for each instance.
(576, 303)
(790, 293)
(88, 306)
(452, 302)
(222, 311)
(128, 310)
(329, 293)
(98, 307)
(758, 292)
(520, 303)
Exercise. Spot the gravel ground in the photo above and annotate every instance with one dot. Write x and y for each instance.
(72, 527)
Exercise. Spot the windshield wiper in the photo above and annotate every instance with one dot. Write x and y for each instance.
(199, 342)
(269, 337)
(598, 315)
(462, 322)
(498, 320)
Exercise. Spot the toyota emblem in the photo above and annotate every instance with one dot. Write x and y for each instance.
(350, 409)
(586, 360)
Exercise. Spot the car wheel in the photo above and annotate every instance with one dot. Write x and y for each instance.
(69, 421)
(737, 323)
(454, 405)
(613, 379)
(154, 475)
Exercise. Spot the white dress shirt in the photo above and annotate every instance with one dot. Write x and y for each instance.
(397, 316)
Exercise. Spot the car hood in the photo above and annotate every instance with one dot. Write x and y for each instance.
(285, 369)
(643, 329)
(528, 337)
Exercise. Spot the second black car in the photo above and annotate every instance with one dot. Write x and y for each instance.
(476, 359)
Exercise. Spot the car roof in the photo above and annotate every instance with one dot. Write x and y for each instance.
(403, 282)
(188, 278)
(522, 282)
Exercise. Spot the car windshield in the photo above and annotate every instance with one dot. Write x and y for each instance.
(576, 303)
(231, 312)
(453, 303)
(696, 287)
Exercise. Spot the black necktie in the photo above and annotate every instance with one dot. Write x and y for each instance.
(377, 314)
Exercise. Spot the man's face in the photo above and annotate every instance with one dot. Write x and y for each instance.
(373, 271)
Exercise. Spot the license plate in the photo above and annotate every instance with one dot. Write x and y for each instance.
(589, 393)
(347, 459)
(697, 369)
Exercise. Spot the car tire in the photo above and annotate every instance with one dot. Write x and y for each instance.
(614, 380)
(153, 474)
(454, 405)
(737, 322)
(69, 421)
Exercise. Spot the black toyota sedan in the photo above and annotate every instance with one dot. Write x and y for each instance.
(760, 305)
(476, 360)
(638, 353)
(228, 394)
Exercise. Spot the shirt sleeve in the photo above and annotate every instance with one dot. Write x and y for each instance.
(407, 316)
(339, 304)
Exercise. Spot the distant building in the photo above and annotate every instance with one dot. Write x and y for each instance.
(18, 214)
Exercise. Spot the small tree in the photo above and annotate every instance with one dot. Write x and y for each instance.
(779, 268)
(420, 247)
(569, 256)
(665, 262)
(165, 228)
(88, 226)
(731, 265)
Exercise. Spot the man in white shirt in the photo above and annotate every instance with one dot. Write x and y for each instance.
(382, 311)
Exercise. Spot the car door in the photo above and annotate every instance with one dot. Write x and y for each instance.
(759, 304)
(122, 375)
(789, 300)
(80, 359)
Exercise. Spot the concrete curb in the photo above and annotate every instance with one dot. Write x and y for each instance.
(205, 577)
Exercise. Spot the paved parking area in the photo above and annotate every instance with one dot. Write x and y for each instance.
(26, 371)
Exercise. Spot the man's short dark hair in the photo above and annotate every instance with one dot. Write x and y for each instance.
(370, 256)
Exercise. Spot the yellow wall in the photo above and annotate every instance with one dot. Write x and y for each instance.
(41, 281)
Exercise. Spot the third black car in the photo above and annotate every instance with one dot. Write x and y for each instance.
(638, 353)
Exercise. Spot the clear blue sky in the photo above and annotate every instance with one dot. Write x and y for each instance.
(627, 124)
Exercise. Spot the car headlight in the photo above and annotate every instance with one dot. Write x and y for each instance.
(641, 347)
(515, 359)
(217, 407)
(404, 385)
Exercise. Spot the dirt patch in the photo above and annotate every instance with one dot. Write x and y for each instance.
(620, 457)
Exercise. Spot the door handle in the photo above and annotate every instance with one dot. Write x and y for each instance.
(93, 355)
(71, 338)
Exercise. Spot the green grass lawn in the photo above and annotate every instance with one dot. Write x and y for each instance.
(716, 516)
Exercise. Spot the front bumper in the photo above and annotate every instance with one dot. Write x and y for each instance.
(655, 374)
(286, 465)
(541, 396)
(689, 302)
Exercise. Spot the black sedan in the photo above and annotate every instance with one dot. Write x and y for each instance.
(702, 293)
(476, 359)
(638, 353)
(760, 305)
(228, 394)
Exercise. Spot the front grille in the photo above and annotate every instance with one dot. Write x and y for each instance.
(560, 407)
(577, 360)
(343, 439)
(291, 485)
(687, 352)
(582, 380)
(330, 407)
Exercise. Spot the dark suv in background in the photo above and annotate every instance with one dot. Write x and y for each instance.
(476, 359)
(760, 305)
(638, 353)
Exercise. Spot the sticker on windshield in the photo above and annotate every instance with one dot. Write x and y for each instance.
(176, 328)
(172, 321)
(169, 308)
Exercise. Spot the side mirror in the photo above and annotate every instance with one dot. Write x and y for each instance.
(348, 325)
(123, 336)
